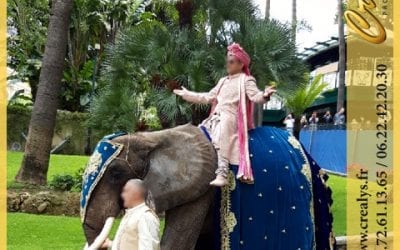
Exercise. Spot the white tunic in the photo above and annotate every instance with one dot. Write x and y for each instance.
(139, 230)
(222, 125)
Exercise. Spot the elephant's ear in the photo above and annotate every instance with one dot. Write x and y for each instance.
(143, 146)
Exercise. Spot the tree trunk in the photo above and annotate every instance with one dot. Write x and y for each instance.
(258, 108)
(342, 58)
(294, 20)
(267, 9)
(41, 127)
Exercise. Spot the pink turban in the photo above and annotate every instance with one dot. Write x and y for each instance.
(238, 52)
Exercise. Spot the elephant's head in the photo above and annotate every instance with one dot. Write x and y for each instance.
(105, 202)
(178, 165)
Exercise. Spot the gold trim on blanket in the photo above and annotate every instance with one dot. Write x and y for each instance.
(228, 220)
(306, 171)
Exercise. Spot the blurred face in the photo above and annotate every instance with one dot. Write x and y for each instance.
(233, 65)
(131, 195)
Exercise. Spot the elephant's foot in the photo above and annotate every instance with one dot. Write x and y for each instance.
(183, 224)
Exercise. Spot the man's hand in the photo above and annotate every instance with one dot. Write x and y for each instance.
(107, 243)
(180, 92)
(269, 91)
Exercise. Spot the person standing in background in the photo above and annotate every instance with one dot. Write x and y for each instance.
(303, 121)
(327, 117)
(289, 123)
(339, 119)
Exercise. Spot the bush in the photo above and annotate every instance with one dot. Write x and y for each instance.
(62, 182)
(78, 180)
(68, 182)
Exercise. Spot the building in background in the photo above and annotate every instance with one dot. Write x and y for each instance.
(322, 58)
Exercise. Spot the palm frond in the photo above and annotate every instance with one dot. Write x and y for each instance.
(305, 95)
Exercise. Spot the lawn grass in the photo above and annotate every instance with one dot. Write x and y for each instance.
(45, 232)
(59, 164)
(70, 164)
(38, 232)
(338, 186)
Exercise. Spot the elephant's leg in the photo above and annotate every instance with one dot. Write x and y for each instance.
(183, 224)
(207, 237)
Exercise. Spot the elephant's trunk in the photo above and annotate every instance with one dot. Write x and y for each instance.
(104, 206)
(102, 236)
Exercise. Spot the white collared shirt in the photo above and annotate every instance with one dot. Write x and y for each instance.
(139, 230)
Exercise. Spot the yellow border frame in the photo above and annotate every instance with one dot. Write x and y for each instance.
(396, 124)
(3, 123)
(354, 50)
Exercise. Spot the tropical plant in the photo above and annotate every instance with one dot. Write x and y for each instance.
(27, 26)
(173, 48)
(62, 182)
(92, 22)
(309, 90)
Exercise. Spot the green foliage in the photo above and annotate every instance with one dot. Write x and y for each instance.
(173, 48)
(27, 25)
(307, 92)
(78, 180)
(150, 118)
(92, 22)
(77, 87)
(68, 182)
(21, 100)
(62, 182)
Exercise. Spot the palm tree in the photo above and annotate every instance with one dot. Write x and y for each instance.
(41, 127)
(294, 19)
(165, 53)
(298, 101)
(267, 9)
(342, 57)
(259, 108)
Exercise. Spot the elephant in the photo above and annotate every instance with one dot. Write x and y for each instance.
(176, 165)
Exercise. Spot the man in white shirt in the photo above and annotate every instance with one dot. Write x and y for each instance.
(140, 227)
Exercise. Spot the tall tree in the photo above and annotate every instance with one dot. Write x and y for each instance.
(259, 108)
(294, 20)
(342, 57)
(41, 127)
(267, 9)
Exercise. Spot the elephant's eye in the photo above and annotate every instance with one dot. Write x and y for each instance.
(117, 173)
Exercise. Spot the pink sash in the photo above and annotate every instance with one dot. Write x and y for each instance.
(245, 122)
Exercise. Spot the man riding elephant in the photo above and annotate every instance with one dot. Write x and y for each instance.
(232, 114)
